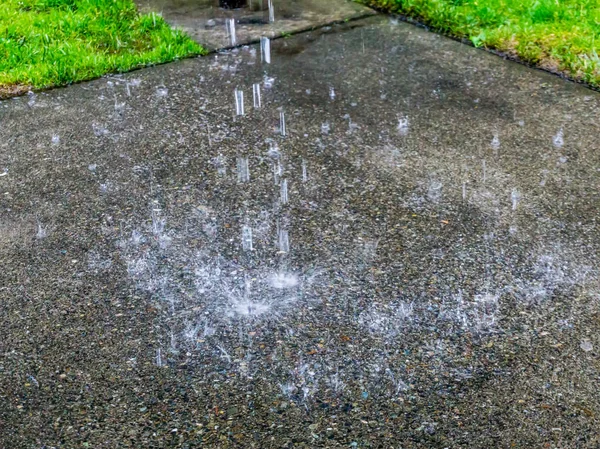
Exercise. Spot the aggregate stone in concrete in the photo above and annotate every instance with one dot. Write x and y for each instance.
(394, 244)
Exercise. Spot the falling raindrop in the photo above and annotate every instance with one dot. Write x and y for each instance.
(247, 238)
(284, 191)
(265, 49)
(284, 241)
(256, 95)
(304, 171)
(239, 102)
(277, 172)
(230, 28)
(544, 176)
(243, 171)
(464, 191)
(332, 93)
(271, 12)
(484, 170)
(282, 128)
(159, 361)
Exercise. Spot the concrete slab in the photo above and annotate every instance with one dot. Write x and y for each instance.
(411, 260)
(205, 21)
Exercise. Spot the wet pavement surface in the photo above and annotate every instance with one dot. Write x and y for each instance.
(396, 245)
(206, 22)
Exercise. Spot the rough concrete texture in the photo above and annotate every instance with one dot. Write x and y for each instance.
(205, 22)
(413, 264)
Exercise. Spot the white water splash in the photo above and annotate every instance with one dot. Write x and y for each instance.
(558, 140)
(284, 280)
(495, 144)
(515, 198)
(403, 125)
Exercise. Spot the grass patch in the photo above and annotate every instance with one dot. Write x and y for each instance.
(559, 35)
(46, 43)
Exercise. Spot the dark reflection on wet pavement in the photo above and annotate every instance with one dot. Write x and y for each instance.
(382, 237)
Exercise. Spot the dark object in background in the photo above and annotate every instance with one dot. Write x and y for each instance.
(232, 4)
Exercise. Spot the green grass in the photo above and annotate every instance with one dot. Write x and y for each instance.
(47, 43)
(559, 35)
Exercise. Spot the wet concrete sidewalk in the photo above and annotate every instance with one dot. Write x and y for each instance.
(207, 23)
(396, 245)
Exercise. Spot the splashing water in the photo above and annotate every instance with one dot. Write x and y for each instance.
(250, 308)
(515, 198)
(42, 232)
(220, 164)
(434, 191)
(284, 280)
(31, 101)
(495, 144)
(268, 82)
(273, 152)
(403, 126)
(162, 92)
(558, 140)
